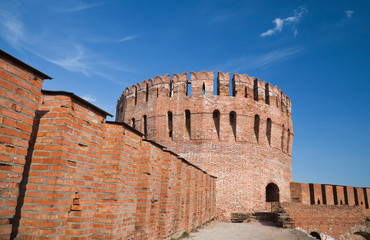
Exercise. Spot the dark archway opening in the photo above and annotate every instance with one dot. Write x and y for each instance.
(365, 235)
(315, 235)
(272, 193)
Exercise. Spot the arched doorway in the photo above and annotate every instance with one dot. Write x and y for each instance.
(315, 235)
(361, 235)
(272, 193)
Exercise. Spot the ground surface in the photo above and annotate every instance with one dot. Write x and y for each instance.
(246, 231)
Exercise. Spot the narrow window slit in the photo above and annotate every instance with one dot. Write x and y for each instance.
(145, 126)
(312, 194)
(255, 90)
(268, 130)
(345, 195)
(171, 89)
(323, 193)
(233, 123)
(170, 124)
(146, 92)
(135, 96)
(356, 196)
(282, 138)
(335, 195)
(288, 142)
(257, 126)
(216, 120)
(188, 122)
(267, 95)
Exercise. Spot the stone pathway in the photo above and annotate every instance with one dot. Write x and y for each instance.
(254, 230)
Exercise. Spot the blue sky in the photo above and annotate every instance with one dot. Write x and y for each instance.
(317, 52)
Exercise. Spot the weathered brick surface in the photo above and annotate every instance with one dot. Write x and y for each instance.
(85, 178)
(339, 222)
(243, 162)
(330, 214)
(334, 195)
(20, 93)
(66, 173)
(61, 194)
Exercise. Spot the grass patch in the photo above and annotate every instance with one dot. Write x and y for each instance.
(184, 235)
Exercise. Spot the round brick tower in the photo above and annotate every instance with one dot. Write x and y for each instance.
(244, 139)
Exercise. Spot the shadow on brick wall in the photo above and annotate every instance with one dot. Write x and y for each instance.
(27, 166)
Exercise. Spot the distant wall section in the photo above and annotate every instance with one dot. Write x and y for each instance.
(341, 212)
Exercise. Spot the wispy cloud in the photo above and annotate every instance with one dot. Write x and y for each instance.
(74, 60)
(349, 13)
(80, 7)
(78, 59)
(247, 63)
(127, 38)
(67, 53)
(11, 28)
(222, 16)
(280, 23)
(89, 98)
(100, 39)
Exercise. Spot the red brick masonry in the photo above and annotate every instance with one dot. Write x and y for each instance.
(330, 210)
(83, 177)
(244, 139)
(67, 173)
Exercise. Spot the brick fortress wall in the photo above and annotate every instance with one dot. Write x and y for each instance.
(66, 173)
(244, 139)
(329, 210)
(20, 94)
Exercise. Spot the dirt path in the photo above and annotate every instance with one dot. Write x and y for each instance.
(246, 231)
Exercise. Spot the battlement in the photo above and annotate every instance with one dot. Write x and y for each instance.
(239, 108)
(202, 84)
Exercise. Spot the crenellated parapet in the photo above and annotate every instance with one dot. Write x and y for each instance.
(202, 83)
(247, 109)
(180, 82)
(243, 85)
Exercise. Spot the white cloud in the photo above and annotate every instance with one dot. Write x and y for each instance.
(279, 23)
(274, 56)
(100, 39)
(89, 98)
(295, 32)
(80, 7)
(74, 61)
(11, 26)
(76, 58)
(247, 63)
(127, 38)
(67, 52)
(349, 13)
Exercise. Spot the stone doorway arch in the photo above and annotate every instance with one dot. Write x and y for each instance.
(315, 235)
(272, 193)
(361, 235)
